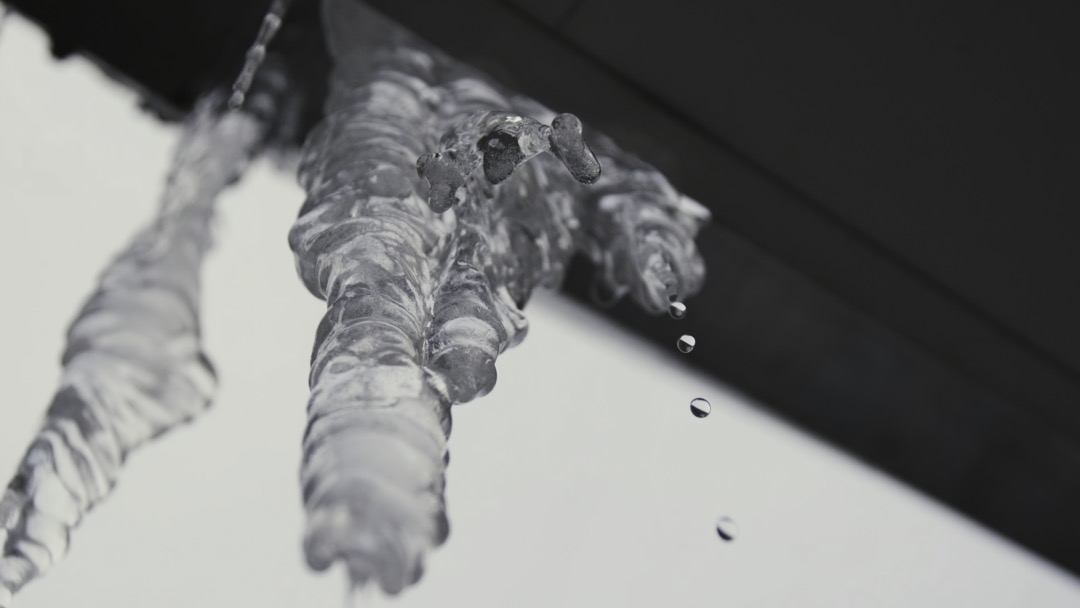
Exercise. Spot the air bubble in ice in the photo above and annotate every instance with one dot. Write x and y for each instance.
(677, 310)
(700, 407)
(727, 529)
(686, 343)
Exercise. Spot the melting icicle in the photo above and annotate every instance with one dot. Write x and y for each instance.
(425, 277)
(366, 596)
(727, 529)
(686, 344)
(700, 407)
(501, 141)
(5, 12)
(134, 366)
(257, 53)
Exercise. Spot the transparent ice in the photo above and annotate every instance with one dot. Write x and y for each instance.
(436, 203)
(5, 12)
(134, 366)
(257, 52)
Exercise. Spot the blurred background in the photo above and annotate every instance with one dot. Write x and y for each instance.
(886, 334)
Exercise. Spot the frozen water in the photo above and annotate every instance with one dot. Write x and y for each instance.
(686, 344)
(366, 596)
(700, 407)
(500, 141)
(569, 146)
(134, 366)
(257, 53)
(5, 12)
(425, 265)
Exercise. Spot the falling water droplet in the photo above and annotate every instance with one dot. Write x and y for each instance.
(686, 343)
(700, 407)
(677, 310)
(727, 529)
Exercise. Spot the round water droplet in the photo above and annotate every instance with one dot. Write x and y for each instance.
(727, 529)
(686, 343)
(677, 310)
(700, 407)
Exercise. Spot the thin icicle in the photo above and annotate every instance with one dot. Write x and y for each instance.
(257, 52)
(425, 278)
(134, 366)
(5, 12)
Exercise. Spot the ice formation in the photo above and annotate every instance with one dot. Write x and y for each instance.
(425, 249)
(257, 53)
(134, 366)
(436, 203)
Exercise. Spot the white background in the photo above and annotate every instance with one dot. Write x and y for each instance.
(583, 480)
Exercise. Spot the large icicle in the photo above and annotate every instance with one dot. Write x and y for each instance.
(367, 243)
(134, 366)
(425, 250)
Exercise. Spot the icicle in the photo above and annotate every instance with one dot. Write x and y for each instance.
(425, 279)
(5, 12)
(501, 142)
(641, 232)
(134, 366)
(257, 52)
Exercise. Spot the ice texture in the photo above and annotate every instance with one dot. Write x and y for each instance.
(425, 230)
(257, 52)
(4, 13)
(134, 367)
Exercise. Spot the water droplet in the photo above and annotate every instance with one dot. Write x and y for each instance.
(677, 310)
(687, 343)
(727, 529)
(700, 407)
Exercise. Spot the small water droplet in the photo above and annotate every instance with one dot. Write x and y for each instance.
(677, 310)
(700, 407)
(727, 529)
(687, 343)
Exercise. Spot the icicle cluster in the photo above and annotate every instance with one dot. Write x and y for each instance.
(134, 366)
(425, 262)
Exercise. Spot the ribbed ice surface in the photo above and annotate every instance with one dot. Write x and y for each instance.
(134, 366)
(255, 55)
(426, 230)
